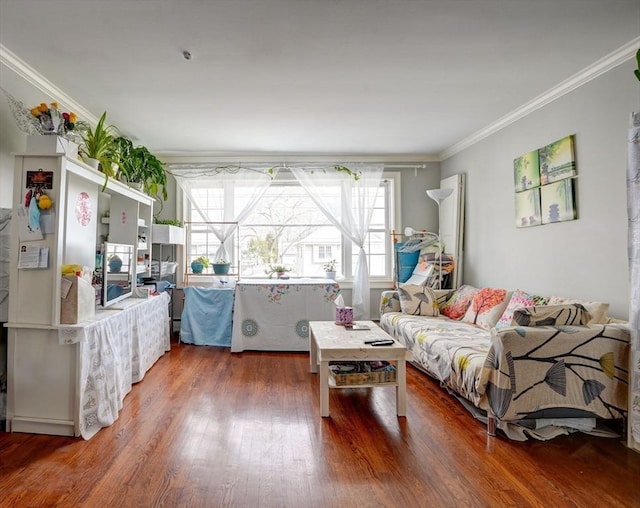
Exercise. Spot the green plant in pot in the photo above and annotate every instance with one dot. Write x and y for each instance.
(97, 144)
(199, 264)
(221, 267)
(139, 166)
(279, 270)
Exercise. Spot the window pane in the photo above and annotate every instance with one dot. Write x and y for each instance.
(287, 228)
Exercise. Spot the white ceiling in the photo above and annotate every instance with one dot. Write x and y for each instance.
(354, 77)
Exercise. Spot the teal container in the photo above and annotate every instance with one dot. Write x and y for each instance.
(405, 262)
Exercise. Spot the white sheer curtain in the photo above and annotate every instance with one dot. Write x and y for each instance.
(223, 194)
(633, 209)
(348, 203)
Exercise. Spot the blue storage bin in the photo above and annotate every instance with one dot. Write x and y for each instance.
(405, 262)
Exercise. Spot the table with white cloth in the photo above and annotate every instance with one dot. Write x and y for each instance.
(274, 314)
(117, 348)
(206, 316)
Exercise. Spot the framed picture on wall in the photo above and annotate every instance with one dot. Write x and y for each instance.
(526, 171)
(558, 201)
(557, 160)
(528, 208)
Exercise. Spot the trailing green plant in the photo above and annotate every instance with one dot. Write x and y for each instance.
(637, 71)
(139, 165)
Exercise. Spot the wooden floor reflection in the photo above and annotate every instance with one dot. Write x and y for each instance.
(208, 428)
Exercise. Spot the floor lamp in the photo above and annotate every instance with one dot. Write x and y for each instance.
(439, 195)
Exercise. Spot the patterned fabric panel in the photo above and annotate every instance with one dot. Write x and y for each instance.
(417, 300)
(529, 370)
(451, 351)
(486, 307)
(552, 315)
(389, 302)
(456, 306)
(518, 300)
(598, 310)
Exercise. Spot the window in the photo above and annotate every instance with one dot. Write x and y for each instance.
(324, 253)
(286, 227)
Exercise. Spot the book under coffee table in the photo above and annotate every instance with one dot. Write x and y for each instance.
(329, 342)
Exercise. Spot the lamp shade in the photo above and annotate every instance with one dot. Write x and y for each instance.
(439, 195)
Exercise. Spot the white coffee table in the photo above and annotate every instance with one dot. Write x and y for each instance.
(330, 342)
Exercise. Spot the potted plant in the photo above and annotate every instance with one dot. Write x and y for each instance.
(199, 264)
(221, 267)
(330, 269)
(140, 168)
(97, 145)
(279, 270)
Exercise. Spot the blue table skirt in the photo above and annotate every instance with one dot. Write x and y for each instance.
(207, 316)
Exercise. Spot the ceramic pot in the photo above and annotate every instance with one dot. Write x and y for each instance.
(330, 275)
(221, 268)
(196, 267)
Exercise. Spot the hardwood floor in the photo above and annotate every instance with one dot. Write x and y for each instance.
(207, 428)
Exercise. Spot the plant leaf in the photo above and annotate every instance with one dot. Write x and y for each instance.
(556, 378)
(591, 389)
(608, 364)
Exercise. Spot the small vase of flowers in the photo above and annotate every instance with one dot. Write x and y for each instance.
(330, 269)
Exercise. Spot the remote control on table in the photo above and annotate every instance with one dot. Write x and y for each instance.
(382, 342)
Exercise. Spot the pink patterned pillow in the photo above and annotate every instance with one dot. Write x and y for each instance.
(456, 306)
(486, 307)
(519, 299)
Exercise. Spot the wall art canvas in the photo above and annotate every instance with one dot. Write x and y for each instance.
(528, 208)
(557, 160)
(526, 171)
(558, 201)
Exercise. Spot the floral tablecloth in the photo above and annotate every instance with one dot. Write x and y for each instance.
(274, 314)
(116, 350)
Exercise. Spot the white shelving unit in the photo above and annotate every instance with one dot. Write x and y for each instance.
(48, 402)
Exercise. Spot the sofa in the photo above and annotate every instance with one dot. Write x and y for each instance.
(530, 365)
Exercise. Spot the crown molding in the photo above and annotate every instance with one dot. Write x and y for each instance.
(410, 160)
(587, 74)
(30, 75)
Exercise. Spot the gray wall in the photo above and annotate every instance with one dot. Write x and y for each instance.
(586, 258)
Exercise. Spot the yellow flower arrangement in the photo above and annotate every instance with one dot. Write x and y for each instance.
(51, 120)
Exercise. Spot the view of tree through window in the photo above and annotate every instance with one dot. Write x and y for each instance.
(287, 228)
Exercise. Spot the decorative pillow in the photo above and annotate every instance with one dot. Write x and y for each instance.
(486, 307)
(458, 303)
(518, 300)
(552, 315)
(442, 295)
(598, 310)
(417, 300)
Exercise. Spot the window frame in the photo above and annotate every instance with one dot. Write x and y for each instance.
(391, 179)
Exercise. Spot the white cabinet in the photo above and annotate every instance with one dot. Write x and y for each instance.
(43, 371)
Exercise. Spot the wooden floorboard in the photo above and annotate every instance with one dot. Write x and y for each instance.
(207, 428)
